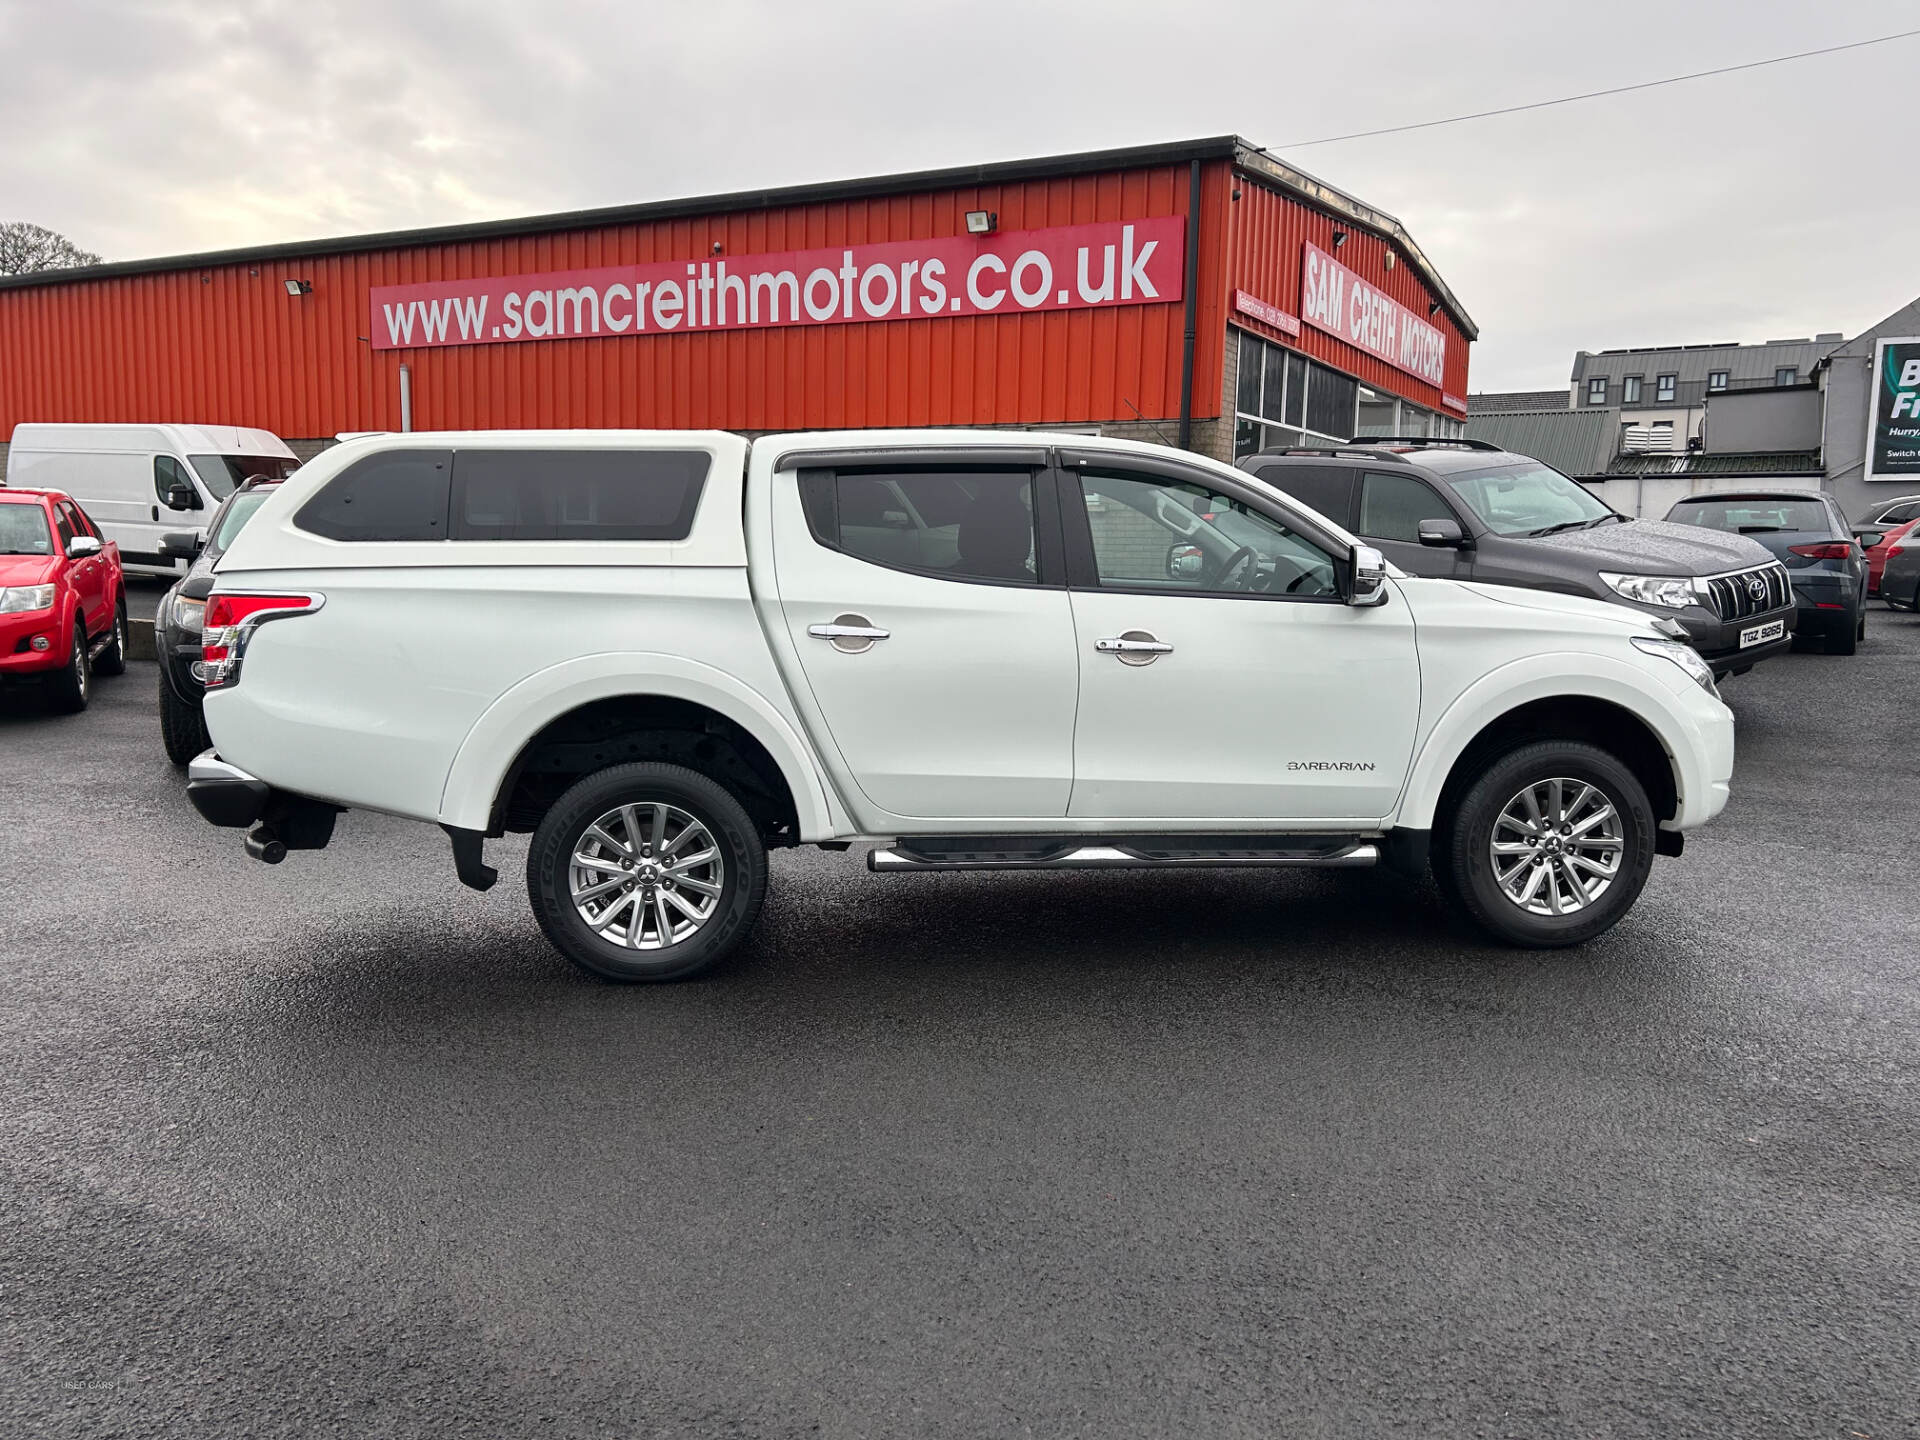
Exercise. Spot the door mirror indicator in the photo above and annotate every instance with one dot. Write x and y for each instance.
(1444, 535)
(1369, 586)
(181, 497)
(1186, 562)
(82, 545)
(180, 545)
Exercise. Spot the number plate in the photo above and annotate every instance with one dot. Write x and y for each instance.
(1760, 634)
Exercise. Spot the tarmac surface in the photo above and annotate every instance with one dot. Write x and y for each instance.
(342, 1148)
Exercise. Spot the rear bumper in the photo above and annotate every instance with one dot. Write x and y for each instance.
(225, 795)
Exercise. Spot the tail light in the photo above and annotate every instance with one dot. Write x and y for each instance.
(230, 623)
(1826, 550)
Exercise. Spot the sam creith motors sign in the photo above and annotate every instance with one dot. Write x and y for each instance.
(1336, 300)
(1069, 267)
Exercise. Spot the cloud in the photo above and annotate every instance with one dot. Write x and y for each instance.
(1738, 208)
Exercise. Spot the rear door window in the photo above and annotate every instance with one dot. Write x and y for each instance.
(959, 524)
(577, 494)
(398, 495)
(1325, 488)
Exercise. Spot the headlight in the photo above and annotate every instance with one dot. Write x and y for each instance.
(1676, 592)
(1683, 655)
(21, 598)
(189, 614)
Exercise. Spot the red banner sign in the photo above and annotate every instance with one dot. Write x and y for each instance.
(1070, 267)
(1256, 308)
(1336, 300)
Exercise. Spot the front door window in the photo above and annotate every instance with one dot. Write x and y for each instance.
(1184, 537)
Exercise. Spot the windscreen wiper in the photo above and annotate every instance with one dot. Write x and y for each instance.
(1556, 529)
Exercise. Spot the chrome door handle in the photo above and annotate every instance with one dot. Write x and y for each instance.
(1135, 647)
(847, 632)
(850, 634)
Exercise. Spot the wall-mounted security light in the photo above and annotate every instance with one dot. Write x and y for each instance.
(1389, 260)
(718, 247)
(982, 222)
(1339, 238)
(1433, 309)
(299, 287)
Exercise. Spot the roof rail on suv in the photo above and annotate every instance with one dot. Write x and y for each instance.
(1426, 442)
(1339, 452)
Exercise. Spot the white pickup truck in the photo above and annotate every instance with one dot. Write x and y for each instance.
(664, 653)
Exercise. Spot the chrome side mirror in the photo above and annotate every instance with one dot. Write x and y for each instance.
(82, 545)
(1369, 585)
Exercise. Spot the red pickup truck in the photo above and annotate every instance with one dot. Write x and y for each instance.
(63, 600)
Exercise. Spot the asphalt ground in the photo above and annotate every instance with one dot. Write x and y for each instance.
(341, 1148)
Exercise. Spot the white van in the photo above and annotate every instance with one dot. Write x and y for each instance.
(139, 482)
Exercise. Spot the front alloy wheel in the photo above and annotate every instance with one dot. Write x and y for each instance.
(646, 872)
(1556, 846)
(1549, 845)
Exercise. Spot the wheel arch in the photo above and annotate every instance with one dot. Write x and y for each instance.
(596, 699)
(1607, 705)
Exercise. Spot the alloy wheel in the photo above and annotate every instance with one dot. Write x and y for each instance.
(1557, 846)
(646, 876)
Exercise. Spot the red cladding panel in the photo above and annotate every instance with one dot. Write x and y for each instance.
(1267, 243)
(228, 345)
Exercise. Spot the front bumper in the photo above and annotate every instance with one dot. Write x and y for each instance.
(1718, 641)
(18, 658)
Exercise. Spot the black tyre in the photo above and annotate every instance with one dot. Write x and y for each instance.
(183, 727)
(113, 659)
(1550, 846)
(1844, 638)
(646, 872)
(69, 691)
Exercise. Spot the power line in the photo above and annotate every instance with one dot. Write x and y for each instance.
(1597, 94)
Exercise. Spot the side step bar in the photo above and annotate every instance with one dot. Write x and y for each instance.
(1346, 854)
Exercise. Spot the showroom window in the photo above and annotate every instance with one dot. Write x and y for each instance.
(1283, 400)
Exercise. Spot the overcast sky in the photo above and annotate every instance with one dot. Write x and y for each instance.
(1773, 203)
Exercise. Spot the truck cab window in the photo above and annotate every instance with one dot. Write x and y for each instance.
(966, 525)
(1181, 537)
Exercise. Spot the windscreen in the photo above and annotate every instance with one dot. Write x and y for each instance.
(223, 474)
(1753, 515)
(1529, 499)
(23, 530)
(238, 513)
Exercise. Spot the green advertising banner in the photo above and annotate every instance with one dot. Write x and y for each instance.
(1893, 431)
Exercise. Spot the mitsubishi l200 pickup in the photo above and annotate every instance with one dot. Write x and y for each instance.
(664, 653)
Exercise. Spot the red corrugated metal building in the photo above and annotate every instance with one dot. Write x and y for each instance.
(1200, 291)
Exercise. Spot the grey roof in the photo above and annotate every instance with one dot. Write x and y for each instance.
(1575, 442)
(1776, 462)
(1506, 402)
(1696, 362)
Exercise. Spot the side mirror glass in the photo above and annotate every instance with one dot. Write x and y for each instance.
(1869, 538)
(1185, 562)
(1442, 535)
(82, 545)
(1369, 585)
(181, 497)
(180, 544)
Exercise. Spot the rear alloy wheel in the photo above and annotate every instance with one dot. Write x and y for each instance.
(183, 727)
(1550, 846)
(646, 872)
(113, 659)
(69, 691)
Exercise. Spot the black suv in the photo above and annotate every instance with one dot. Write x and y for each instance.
(178, 621)
(1467, 510)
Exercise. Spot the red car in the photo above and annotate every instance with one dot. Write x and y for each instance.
(63, 601)
(1877, 553)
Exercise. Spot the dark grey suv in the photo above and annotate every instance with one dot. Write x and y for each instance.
(1467, 510)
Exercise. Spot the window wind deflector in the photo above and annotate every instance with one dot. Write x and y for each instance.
(1031, 457)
